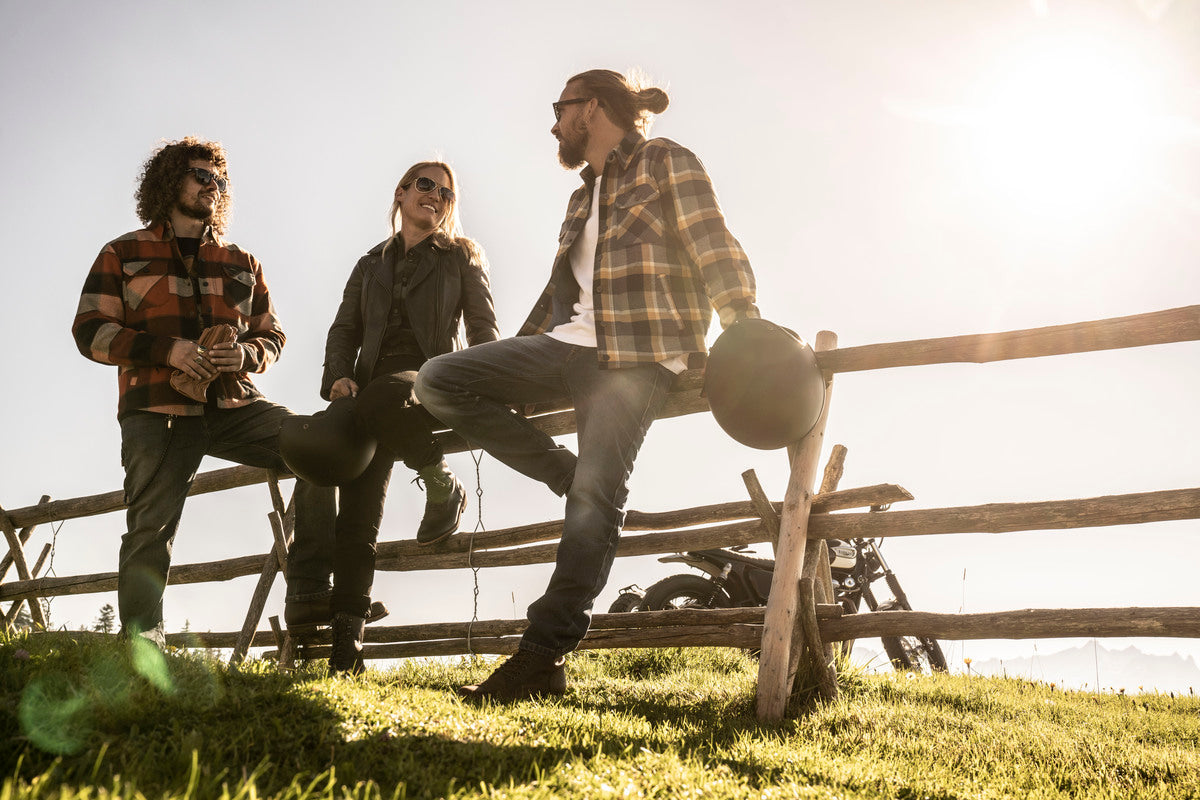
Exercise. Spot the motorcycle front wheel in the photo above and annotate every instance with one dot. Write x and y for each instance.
(684, 591)
(912, 653)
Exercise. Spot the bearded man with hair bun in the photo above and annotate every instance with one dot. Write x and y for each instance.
(644, 257)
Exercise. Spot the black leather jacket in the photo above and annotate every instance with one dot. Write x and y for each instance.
(449, 283)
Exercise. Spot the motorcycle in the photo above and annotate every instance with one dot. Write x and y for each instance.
(736, 579)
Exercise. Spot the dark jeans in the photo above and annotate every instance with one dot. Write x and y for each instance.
(161, 454)
(471, 390)
(387, 407)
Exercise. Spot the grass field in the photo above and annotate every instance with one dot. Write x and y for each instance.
(89, 719)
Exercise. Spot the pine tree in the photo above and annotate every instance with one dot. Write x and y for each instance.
(107, 619)
(24, 620)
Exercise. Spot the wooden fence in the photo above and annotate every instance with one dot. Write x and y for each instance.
(800, 621)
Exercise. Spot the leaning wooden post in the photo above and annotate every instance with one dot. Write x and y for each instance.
(276, 561)
(26, 532)
(817, 578)
(762, 505)
(18, 557)
(775, 674)
(15, 608)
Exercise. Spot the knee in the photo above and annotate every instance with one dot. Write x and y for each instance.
(431, 382)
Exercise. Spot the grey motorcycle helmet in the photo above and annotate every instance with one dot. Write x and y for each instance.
(328, 448)
(763, 384)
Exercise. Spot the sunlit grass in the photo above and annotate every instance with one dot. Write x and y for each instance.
(86, 721)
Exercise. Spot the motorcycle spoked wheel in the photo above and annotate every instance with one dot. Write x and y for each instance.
(684, 591)
(913, 653)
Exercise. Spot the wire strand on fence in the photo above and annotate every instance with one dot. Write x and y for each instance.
(479, 526)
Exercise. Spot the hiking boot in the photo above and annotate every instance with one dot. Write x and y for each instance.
(347, 644)
(524, 675)
(445, 501)
(303, 617)
(377, 611)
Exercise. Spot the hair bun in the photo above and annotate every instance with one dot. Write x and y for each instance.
(654, 100)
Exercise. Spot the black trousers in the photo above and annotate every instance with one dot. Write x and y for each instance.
(388, 408)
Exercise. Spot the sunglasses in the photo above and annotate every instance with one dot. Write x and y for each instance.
(204, 178)
(426, 185)
(558, 107)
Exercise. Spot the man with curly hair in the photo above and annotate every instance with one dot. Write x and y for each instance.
(145, 304)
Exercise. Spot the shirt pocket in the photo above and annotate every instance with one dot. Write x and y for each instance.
(666, 296)
(145, 286)
(636, 216)
(238, 289)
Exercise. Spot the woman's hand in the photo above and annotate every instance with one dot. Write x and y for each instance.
(343, 387)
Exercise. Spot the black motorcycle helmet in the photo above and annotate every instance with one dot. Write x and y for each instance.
(763, 384)
(328, 448)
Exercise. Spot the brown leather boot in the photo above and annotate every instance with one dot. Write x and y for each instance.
(524, 675)
(445, 501)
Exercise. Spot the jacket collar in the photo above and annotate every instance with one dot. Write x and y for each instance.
(621, 155)
(164, 232)
(395, 243)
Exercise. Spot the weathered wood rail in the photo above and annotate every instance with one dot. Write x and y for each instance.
(800, 621)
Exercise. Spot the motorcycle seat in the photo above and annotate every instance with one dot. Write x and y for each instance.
(733, 555)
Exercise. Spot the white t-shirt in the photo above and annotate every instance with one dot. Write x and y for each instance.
(581, 329)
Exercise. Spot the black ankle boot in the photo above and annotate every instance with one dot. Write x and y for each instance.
(347, 644)
(445, 501)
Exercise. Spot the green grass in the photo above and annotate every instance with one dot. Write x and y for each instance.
(94, 720)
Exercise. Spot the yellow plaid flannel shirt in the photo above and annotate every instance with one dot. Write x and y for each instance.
(664, 258)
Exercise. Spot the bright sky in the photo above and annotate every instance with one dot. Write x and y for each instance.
(894, 170)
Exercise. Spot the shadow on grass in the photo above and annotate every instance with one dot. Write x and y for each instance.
(84, 712)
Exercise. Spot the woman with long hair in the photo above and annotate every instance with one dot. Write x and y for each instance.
(402, 305)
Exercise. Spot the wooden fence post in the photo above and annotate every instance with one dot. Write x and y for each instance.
(282, 521)
(26, 532)
(15, 608)
(762, 506)
(816, 587)
(18, 556)
(775, 671)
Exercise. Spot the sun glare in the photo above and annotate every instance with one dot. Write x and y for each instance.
(1066, 126)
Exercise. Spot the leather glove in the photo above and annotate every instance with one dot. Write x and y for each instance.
(198, 389)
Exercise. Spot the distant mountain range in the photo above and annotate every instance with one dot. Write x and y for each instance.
(1129, 669)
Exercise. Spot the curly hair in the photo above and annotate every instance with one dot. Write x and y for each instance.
(162, 177)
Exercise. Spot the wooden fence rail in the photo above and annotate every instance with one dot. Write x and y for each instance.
(1159, 327)
(1094, 512)
(498, 636)
(800, 619)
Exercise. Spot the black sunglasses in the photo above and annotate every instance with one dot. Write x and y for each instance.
(558, 107)
(426, 185)
(204, 178)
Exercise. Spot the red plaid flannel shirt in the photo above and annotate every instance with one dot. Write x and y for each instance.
(139, 298)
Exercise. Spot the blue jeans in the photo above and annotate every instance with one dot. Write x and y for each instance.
(161, 454)
(471, 391)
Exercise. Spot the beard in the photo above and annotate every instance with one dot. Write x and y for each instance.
(571, 149)
(197, 211)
